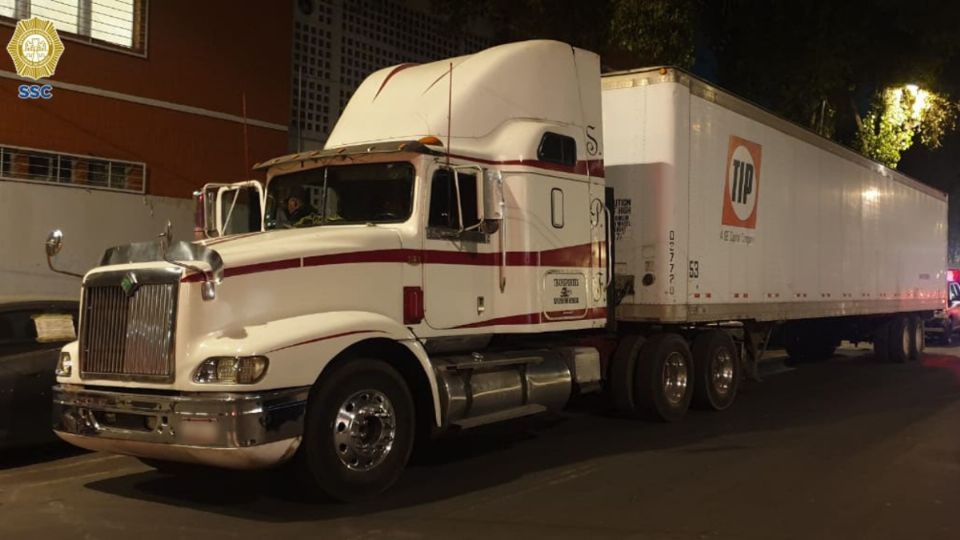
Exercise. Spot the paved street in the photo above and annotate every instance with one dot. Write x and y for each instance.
(844, 449)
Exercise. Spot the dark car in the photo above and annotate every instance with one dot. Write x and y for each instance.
(946, 322)
(31, 335)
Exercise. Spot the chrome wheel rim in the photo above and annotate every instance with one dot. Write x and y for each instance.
(721, 372)
(674, 378)
(918, 337)
(364, 430)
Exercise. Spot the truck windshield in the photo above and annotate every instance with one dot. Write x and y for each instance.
(341, 195)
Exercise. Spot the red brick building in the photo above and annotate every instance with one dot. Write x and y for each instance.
(150, 96)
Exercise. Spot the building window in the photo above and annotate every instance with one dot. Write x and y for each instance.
(30, 165)
(115, 23)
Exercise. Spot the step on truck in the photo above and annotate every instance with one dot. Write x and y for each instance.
(484, 238)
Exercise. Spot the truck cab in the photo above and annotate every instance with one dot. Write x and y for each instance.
(367, 293)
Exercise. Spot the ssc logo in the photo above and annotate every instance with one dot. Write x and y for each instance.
(742, 185)
(35, 48)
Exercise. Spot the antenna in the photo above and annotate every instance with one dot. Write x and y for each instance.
(246, 140)
(449, 110)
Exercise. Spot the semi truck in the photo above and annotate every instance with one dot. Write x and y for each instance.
(484, 238)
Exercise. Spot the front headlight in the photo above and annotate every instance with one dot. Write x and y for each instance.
(231, 370)
(64, 365)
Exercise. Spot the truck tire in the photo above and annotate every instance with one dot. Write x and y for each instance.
(948, 330)
(716, 370)
(358, 432)
(664, 378)
(620, 374)
(900, 338)
(917, 338)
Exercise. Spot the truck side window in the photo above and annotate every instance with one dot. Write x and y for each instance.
(444, 213)
(559, 149)
(954, 293)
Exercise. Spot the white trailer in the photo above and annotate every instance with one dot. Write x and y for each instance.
(478, 242)
(93, 219)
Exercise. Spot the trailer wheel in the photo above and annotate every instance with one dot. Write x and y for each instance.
(664, 378)
(900, 339)
(917, 338)
(620, 374)
(716, 368)
(881, 342)
(358, 432)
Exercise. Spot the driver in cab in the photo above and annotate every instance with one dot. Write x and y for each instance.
(300, 213)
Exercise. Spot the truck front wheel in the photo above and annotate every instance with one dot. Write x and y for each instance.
(359, 430)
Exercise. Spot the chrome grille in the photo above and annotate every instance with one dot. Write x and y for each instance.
(128, 337)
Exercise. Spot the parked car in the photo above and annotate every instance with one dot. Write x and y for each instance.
(31, 335)
(945, 322)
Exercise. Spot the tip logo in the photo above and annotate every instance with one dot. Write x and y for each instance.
(35, 48)
(742, 184)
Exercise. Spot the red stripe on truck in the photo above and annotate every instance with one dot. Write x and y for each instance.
(579, 256)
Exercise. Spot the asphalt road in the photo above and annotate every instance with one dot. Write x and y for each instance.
(844, 449)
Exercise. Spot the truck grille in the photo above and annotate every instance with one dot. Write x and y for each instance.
(128, 336)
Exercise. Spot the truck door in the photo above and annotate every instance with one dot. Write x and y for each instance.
(460, 259)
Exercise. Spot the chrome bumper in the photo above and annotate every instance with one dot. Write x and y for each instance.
(233, 430)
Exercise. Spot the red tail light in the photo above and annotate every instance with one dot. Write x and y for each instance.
(412, 305)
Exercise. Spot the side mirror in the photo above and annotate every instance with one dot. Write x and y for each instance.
(490, 200)
(221, 207)
(53, 245)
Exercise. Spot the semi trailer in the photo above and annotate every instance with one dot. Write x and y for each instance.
(484, 238)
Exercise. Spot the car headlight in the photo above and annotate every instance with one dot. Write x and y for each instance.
(64, 365)
(231, 370)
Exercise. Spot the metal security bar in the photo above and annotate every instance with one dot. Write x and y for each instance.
(33, 165)
(114, 23)
(128, 336)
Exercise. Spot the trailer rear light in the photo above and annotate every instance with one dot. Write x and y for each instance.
(412, 305)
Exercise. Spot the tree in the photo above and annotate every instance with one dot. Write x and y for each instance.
(901, 115)
(626, 33)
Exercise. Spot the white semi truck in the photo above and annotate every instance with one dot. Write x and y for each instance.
(484, 238)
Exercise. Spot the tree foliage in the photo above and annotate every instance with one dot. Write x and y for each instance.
(626, 33)
(901, 115)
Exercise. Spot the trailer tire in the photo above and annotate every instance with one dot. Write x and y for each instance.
(358, 432)
(664, 378)
(716, 369)
(900, 338)
(917, 338)
(620, 374)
